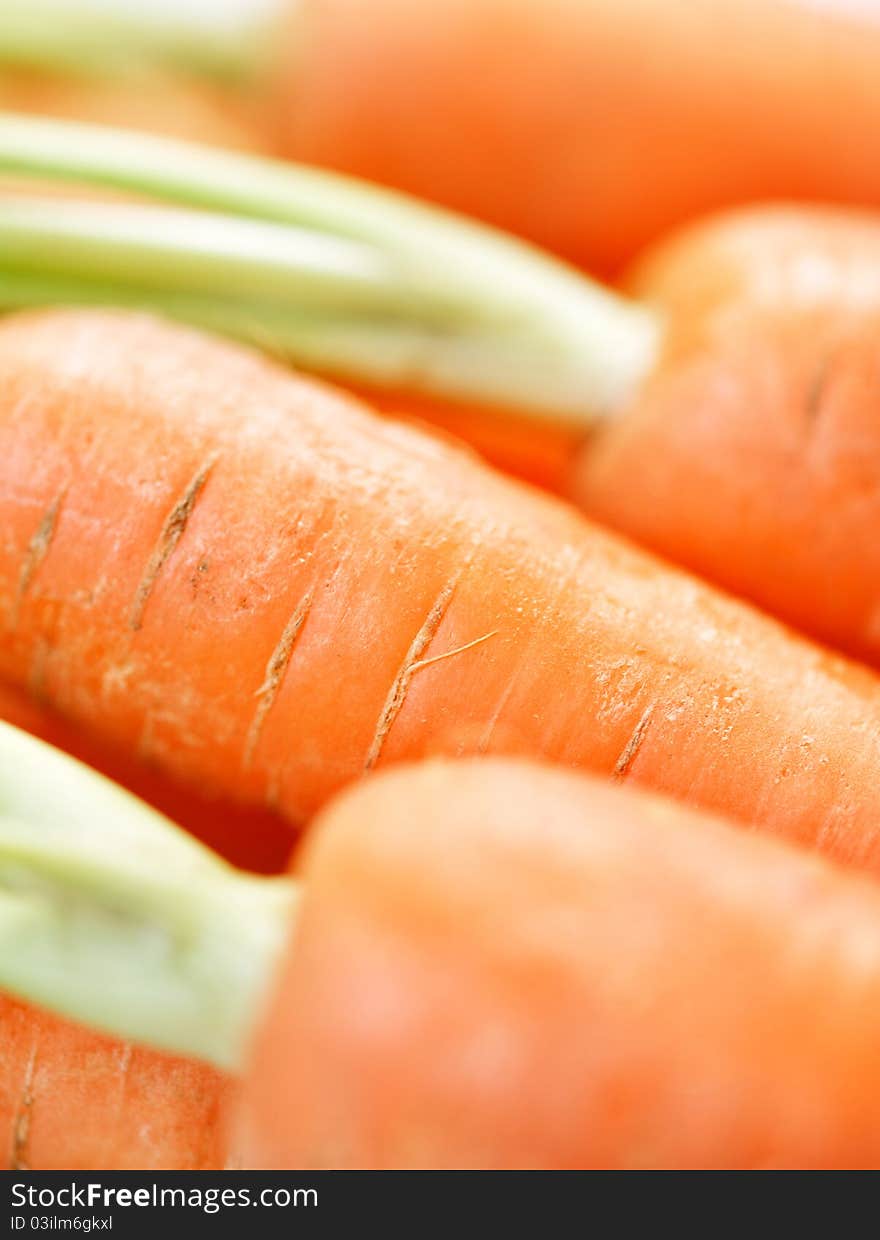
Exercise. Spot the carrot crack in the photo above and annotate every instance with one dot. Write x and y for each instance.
(400, 685)
(170, 535)
(630, 750)
(37, 548)
(447, 654)
(275, 669)
(21, 1131)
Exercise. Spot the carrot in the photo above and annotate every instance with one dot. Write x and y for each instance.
(544, 455)
(172, 935)
(799, 259)
(697, 397)
(267, 591)
(752, 453)
(339, 276)
(590, 128)
(491, 964)
(71, 1099)
(251, 838)
(497, 965)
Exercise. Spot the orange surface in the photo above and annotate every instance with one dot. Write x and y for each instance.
(752, 456)
(503, 966)
(71, 1099)
(248, 579)
(254, 839)
(592, 128)
(539, 451)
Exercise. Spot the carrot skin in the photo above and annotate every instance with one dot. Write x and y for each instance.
(592, 129)
(250, 838)
(71, 1099)
(503, 966)
(74, 1100)
(249, 579)
(752, 455)
(800, 257)
(543, 453)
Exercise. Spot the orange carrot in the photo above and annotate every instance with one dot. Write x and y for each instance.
(590, 128)
(497, 965)
(68, 1097)
(252, 580)
(491, 964)
(544, 454)
(802, 260)
(731, 402)
(752, 453)
(254, 839)
(71, 1099)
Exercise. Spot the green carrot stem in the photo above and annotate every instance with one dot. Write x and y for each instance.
(87, 39)
(380, 286)
(152, 247)
(111, 915)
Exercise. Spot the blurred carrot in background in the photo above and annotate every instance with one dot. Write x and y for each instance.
(168, 68)
(589, 126)
(752, 453)
(799, 259)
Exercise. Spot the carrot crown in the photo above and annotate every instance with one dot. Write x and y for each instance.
(323, 270)
(113, 916)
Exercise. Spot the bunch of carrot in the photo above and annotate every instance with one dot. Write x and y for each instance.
(591, 128)
(491, 964)
(723, 415)
(254, 583)
(240, 593)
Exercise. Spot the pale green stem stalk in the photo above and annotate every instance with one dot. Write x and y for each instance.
(111, 915)
(86, 39)
(376, 283)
